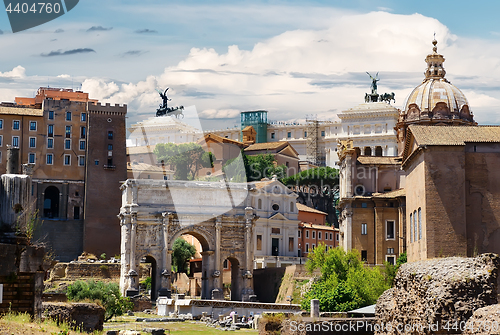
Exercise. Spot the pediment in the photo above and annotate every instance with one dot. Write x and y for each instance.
(278, 216)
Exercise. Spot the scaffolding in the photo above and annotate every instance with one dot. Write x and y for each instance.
(312, 148)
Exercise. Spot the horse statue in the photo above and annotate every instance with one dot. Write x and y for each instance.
(388, 97)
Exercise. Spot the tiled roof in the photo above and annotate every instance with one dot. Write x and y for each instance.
(140, 149)
(316, 226)
(384, 160)
(261, 184)
(392, 194)
(145, 167)
(304, 208)
(21, 111)
(267, 146)
(218, 138)
(454, 135)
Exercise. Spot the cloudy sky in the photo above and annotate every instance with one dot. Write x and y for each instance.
(292, 58)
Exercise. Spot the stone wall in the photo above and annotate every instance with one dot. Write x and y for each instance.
(439, 292)
(71, 271)
(63, 237)
(267, 283)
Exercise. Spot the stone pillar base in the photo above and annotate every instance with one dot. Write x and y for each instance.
(217, 294)
(163, 292)
(131, 293)
(248, 295)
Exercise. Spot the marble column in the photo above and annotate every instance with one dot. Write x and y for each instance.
(165, 290)
(133, 288)
(217, 292)
(247, 293)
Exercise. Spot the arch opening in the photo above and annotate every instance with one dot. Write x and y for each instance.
(51, 202)
(151, 289)
(191, 280)
(230, 278)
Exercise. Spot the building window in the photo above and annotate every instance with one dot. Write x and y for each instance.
(68, 116)
(276, 207)
(110, 135)
(96, 162)
(16, 124)
(411, 227)
(319, 235)
(307, 247)
(272, 135)
(364, 229)
(1, 124)
(299, 234)
(337, 237)
(313, 246)
(390, 251)
(322, 133)
(51, 115)
(50, 143)
(307, 233)
(67, 144)
(305, 134)
(15, 141)
(331, 236)
(81, 160)
(83, 117)
(50, 130)
(82, 145)
(415, 236)
(50, 159)
(225, 264)
(33, 125)
(76, 213)
(314, 234)
(364, 255)
(1, 138)
(364, 205)
(32, 142)
(110, 162)
(110, 146)
(83, 132)
(290, 244)
(68, 131)
(391, 260)
(390, 229)
(289, 134)
(67, 159)
(259, 204)
(259, 242)
(31, 158)
(420, 223)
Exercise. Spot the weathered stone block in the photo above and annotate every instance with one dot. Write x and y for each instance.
(484, 321)
(438, 291)
(89, 316)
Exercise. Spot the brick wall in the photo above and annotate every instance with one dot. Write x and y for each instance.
(63, 237)
(19, 294)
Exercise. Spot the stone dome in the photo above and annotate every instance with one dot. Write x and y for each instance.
(436, 99)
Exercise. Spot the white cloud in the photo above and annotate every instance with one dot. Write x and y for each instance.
(219, 114)
(18, 72)
(64, 76)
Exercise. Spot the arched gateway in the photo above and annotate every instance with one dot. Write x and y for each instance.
(155, 213)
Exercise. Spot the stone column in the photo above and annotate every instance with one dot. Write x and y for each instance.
(247, 294)
(373, 150)
(165, 290)
(206, 274)
(124, 251)
(133, 288)
(314, 308)
(217, 292)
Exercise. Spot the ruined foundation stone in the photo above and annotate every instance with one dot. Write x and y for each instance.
(89, 316)
(484, 321)
(437, 291)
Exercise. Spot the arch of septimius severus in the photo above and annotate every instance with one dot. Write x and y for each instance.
(155, 213)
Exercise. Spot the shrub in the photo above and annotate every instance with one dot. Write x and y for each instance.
(108, 295)
(345, 283)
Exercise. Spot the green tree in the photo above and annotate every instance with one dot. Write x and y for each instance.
(185, 158)
(320, 177)
(254, 168)
(391, 270)
(181, 253)
(345, 282)
(107, 295)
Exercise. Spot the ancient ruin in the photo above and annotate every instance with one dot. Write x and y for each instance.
(155, 213)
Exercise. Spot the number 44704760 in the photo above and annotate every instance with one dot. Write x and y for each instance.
(40, 7)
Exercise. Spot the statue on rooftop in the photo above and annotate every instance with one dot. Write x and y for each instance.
(374, 82)
(164, 109)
